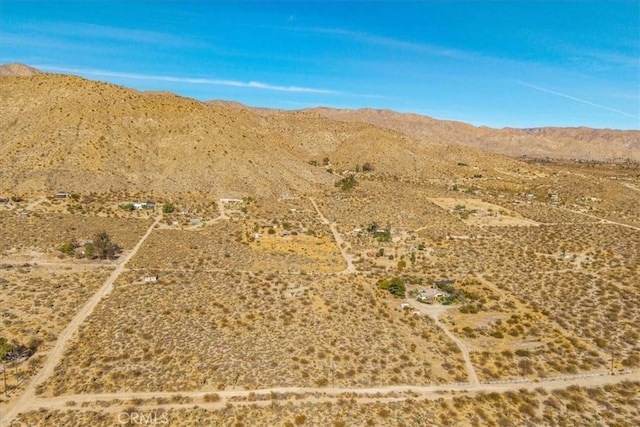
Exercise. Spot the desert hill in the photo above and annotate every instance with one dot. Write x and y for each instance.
(15, 69)
(63, 132)
(556, 143)
(67, 132)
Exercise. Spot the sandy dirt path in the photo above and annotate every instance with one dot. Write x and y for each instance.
(601, 220)
(434, 311)
(361, 395)
(31, 206)
(55, 354)
(338, 238)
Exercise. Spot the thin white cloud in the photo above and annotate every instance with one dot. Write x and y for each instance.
(190, 80)
(80, 30)
(584, 101)
(393, 43)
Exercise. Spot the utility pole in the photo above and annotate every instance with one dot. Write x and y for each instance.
(613, 352)
(4, 372)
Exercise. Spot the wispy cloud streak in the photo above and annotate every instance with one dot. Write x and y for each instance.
(584, 101)
(191, 80)
(393, 43)
(79, 30)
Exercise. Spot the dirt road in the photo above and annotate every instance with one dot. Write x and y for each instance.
(338, 238)
(55, 354)
(434, 311)
(361, 395)
(600, 220)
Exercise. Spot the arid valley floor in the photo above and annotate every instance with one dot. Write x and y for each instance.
(372, 279)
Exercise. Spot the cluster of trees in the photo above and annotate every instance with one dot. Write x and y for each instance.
(101, 247)
(395, 286)
(456, 296)
(14, 350)
(382, 234)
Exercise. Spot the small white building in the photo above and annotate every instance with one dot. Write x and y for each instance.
(431, 294)
(144, 205)
(150, 278)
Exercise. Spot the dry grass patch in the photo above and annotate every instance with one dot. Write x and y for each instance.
(309, 253)
(36, 303)
(46, 232)
(214, 331)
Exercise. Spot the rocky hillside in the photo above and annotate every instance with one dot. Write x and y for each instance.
(15, 69)
(65, 132)
(556, 143)
(62, 132)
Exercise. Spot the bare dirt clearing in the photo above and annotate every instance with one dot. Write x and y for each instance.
(478, 212)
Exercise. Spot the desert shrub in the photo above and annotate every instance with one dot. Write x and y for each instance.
(346, 183)
(67, 248)
(383, 236)
(168, 208)
(5, 348)
(211, 397)
(395, 286)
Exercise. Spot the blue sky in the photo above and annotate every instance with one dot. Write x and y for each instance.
(499, 63)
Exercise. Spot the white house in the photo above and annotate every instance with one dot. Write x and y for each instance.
(431, 294)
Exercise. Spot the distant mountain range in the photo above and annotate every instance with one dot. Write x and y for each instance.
(66, 132)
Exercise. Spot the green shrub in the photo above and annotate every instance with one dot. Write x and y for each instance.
(346, 183)
(67, 248)
(383, 236)
(395, 286)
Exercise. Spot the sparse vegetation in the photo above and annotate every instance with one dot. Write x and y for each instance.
(538, 262)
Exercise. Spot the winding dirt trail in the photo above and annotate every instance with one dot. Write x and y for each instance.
(55, 354)
(434, 312)
(338, 238)
(31, 206)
